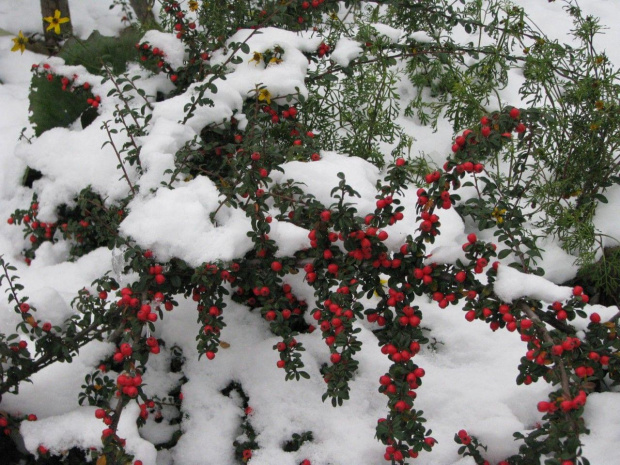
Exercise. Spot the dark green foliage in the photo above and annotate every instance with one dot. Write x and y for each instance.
(52, 107)
(91, 53)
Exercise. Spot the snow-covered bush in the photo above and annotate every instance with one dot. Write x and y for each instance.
(252, 163)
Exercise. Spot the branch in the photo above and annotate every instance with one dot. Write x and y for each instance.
(118, 155)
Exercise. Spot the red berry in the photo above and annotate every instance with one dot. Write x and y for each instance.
(515, 113)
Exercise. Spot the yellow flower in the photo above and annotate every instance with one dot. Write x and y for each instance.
(193, 5)
(55, 22)
(264, 95)
(383, 283)
(498, 215)
(257, 57)
(20, 42)
(275, 60)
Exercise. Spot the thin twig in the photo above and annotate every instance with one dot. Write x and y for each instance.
(118, 155)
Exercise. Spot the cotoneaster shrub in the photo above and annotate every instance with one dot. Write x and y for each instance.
(351, 108)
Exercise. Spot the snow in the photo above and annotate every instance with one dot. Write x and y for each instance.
(391, 33)
(320, 177)
(606, 218)
(470, 369)
(512, 284)
(80, 428)
(176, 223)
(174, 49)
(345, 51)
(280, 79)
(422, 37)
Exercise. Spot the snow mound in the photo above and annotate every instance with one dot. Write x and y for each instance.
(511, 284)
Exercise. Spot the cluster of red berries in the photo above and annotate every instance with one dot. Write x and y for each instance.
(323, 50)
(182, 25)
(314, 4)
(289, 113)
(308, 5)
(94, 102)
(38, 230)
(464, 437)
(333, 321)
(129, 384)
(400, 356)
(18, 346)
(430, 223)
(286, 349)
(148, 52)
(487, 126)
(158, 272)
(566, 405)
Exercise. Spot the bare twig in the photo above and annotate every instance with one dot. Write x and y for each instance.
(118, 155)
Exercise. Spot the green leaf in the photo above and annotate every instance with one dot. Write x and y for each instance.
(97, 49)
(601, 198)
(51, 107)
(503, 253)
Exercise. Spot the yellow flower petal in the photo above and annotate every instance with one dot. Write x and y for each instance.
(20, 43)
(257, 57)
(55, 22)
(264, 95)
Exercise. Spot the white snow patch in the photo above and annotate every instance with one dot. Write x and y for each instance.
(174, 49)
(345, 51)
(80, 428)
(511, 284)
